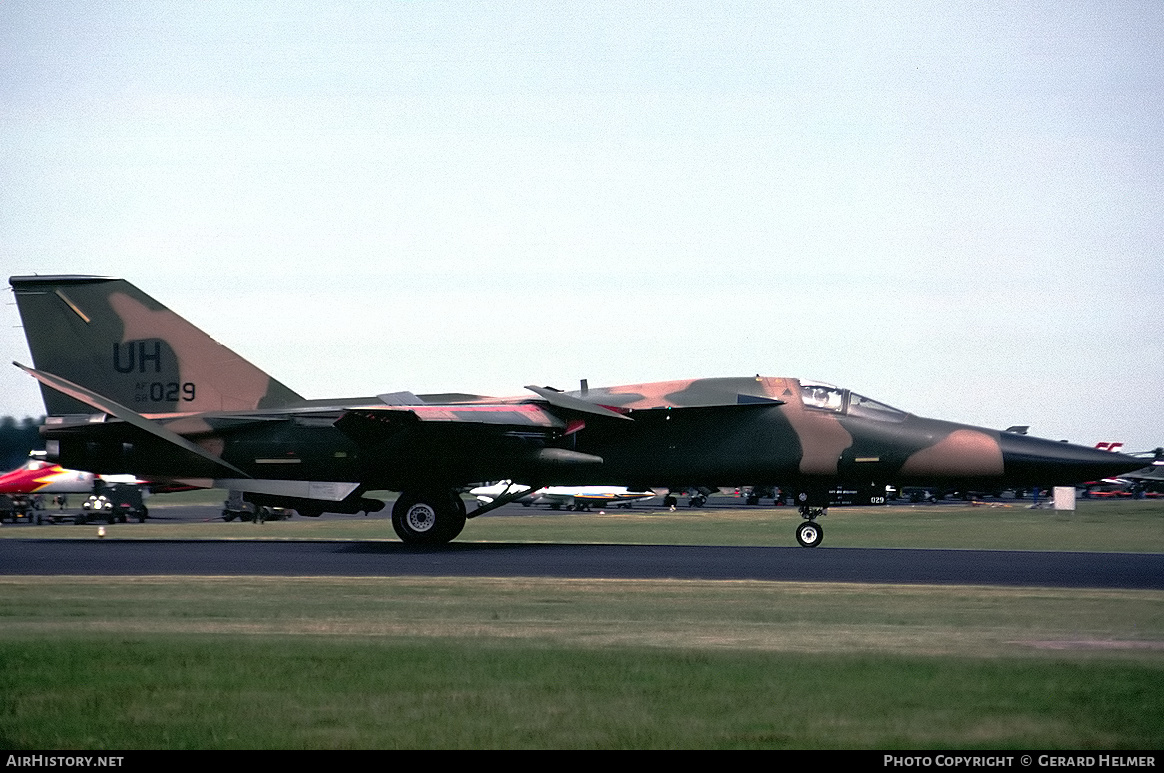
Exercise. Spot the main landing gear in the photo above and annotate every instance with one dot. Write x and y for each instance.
(435, 516)
(428, 517)
(810, 533)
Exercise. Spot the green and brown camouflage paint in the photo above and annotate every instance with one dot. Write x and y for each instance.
(114, 340)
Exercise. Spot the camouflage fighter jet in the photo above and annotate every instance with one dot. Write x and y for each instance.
(131, 387)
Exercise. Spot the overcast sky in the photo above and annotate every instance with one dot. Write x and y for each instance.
(954, 208)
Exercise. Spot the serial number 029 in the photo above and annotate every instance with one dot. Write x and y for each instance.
(164, 392)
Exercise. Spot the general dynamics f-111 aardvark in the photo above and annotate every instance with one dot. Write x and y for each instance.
(131, 387)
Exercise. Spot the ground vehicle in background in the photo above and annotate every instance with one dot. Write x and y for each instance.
(111, 504)
(16, 508)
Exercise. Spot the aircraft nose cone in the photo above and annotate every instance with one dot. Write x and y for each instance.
(1045, 462)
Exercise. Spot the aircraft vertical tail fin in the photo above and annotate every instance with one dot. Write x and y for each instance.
(111, 338)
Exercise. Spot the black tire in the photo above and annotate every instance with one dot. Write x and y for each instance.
(428, 518)
(809, 534)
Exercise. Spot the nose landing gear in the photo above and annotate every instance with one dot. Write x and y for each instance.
(810, 533)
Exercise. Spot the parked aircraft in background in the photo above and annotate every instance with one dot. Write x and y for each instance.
(569, 497)
(38, 476)
(1148, 481)
(131, 387)
(22, 490)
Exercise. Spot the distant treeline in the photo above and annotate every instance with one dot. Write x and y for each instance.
(17, 438)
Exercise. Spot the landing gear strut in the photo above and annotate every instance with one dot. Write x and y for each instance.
(428, 517)
(810, 533)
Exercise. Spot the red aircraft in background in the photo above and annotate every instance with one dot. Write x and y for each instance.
(1146, 482)
(22, 493)
(41, 477)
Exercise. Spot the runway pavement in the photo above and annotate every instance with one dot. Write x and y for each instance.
(468, 559)
(114, 557)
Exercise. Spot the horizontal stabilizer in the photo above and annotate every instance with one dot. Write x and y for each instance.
(105, 405)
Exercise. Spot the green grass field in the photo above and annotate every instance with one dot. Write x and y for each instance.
(467, 663)
(244, 662)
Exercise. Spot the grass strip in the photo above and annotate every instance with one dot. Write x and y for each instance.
(1136, 527)
(322, 663)
(235, 692)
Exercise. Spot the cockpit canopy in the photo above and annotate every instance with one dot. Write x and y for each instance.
(826, 397)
